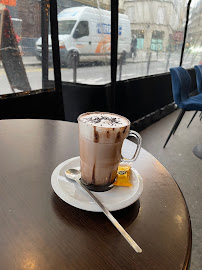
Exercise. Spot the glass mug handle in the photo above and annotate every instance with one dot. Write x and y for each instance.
(133, 133)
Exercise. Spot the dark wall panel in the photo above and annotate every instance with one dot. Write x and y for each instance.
(46, 105)
(78, 98)
(139, 97)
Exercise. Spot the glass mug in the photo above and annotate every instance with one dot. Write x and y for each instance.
(101, 135)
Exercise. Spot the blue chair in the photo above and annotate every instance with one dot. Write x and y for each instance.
(181, 87)
(198, 71)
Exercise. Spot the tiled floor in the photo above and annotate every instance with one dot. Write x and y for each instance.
(184, 166)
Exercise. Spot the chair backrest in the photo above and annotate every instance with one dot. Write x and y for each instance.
(198, 70)
(181, 84)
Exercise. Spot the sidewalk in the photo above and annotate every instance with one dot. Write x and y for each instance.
(148, 56)
(30, 61)
(141, 57)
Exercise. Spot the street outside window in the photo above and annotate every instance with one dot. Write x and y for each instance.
(158, 27)
(150, 40)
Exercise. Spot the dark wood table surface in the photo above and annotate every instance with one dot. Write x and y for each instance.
(40, 231)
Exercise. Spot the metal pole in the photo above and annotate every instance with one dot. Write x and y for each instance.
(75, 55)
(120, 66)
(44, 33)
(148, 63)
(168, 61)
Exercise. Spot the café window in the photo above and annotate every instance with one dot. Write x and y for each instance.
(20, 69)
(158, 47)
(193, 45)
(89, 43)
(73, 34)
(159, 29)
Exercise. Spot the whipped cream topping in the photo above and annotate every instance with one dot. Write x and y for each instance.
(106, 120)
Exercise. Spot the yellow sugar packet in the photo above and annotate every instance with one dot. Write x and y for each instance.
(123, 176)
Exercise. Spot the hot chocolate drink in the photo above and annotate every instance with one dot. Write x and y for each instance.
(101, 137)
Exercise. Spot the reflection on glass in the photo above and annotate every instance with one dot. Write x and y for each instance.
(193, 45)
(159, 29)
(150, 38)
(19, 69)
(85, 49)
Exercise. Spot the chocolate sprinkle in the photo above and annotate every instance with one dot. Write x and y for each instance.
(112, 121)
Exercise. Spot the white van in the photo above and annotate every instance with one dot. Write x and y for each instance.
(86, 31)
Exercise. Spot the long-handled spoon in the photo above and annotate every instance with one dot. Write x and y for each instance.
(76, 176)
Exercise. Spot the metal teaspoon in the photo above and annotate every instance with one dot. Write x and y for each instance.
(76, 176)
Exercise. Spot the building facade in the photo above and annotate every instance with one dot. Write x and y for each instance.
(155, 22)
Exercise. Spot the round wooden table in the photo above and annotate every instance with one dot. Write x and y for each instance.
(40, 231)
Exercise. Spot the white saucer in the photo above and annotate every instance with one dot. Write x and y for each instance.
(114, 199)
